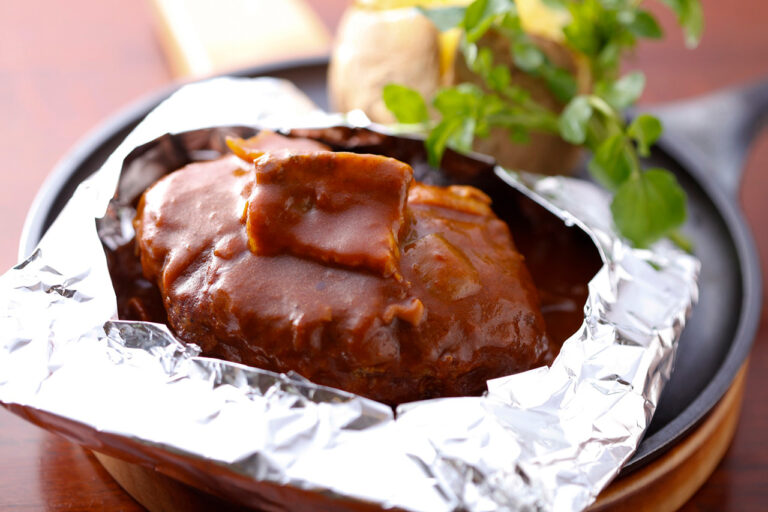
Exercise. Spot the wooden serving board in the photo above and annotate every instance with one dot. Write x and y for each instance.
(662, 486)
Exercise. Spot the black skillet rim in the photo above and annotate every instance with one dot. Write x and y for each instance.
(651, 447)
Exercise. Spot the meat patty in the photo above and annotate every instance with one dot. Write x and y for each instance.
(338, 266)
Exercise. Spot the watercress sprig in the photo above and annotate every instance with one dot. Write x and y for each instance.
(647, 203)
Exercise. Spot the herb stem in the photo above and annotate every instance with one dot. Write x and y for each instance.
(682, 241)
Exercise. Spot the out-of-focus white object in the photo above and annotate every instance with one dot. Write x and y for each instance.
(205, 37)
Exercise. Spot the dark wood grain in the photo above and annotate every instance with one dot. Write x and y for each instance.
(65, 66)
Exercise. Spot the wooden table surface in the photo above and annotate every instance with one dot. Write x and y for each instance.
(66, 66)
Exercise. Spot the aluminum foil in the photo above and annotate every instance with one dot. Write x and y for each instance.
(547, 439)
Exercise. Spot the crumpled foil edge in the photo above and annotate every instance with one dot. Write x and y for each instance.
(547, 439)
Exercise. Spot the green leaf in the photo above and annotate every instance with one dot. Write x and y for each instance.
(499, 78)
(556, 4)
(516, 94)
(488, 105)
(582, 31)
(644, 24)
(510, 23)
(614, 4)
(531, 59)
(483, 62)
(438, 139)
(458, 101)
(624, 92)
(519, 135)
(693, 23)
(609, 56)
(648, 206)
(406, 104)
(481, 14)
(461, 138)
(491, 8)
(562, 83)
(527, 55)
(691, 18)
(444, 18)
(645, 130)
(612, 163)
(574, 119)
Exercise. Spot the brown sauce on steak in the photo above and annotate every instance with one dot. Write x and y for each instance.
(339, 267)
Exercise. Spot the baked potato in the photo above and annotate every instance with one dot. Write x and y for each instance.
(381, 42)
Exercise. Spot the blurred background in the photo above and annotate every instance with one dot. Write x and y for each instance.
(67, 66)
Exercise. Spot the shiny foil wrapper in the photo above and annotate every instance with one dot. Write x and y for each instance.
(547, 439)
